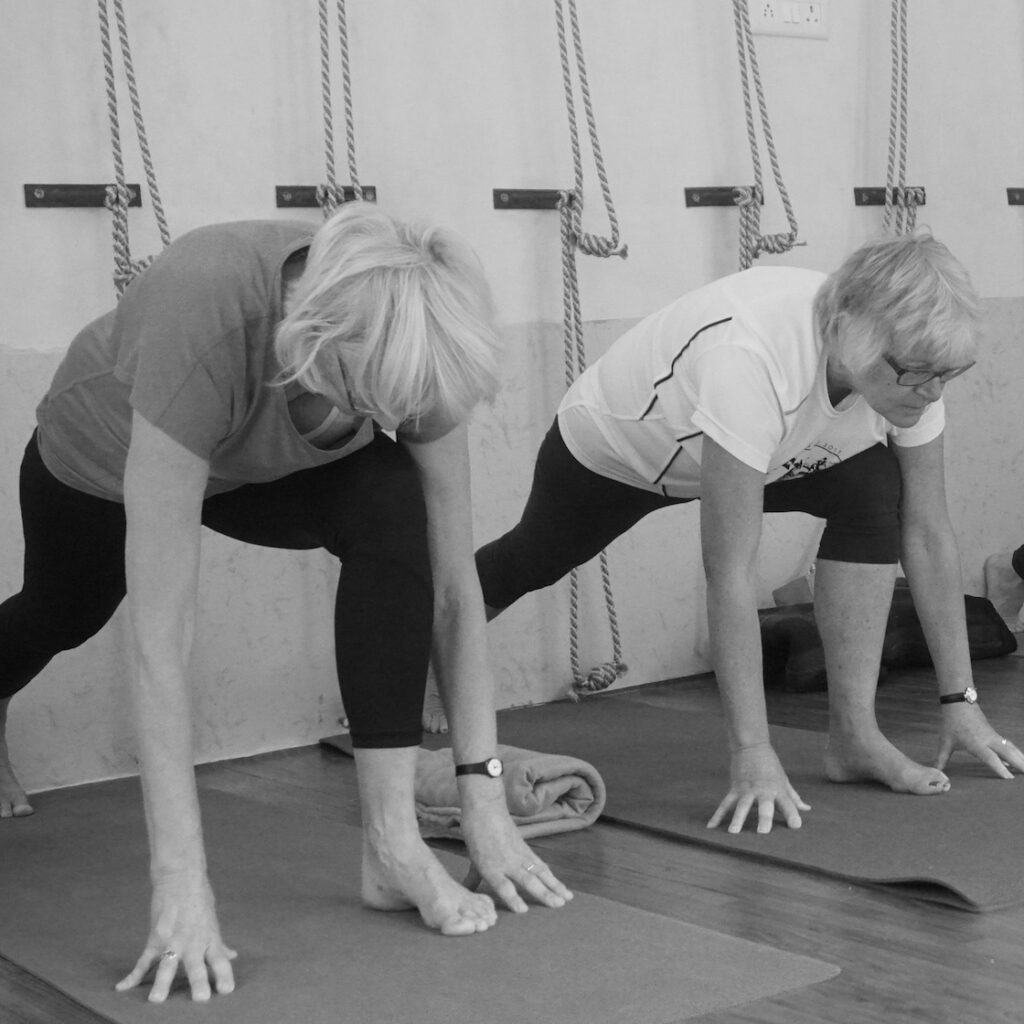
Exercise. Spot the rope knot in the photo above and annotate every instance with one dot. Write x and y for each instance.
(329, 197)
(596, 245)
(746, 196)
(600, 677)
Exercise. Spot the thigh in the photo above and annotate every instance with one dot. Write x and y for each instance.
(571, 514)
(74, 542)
(373, 489)
(859, 500)
(575, 512)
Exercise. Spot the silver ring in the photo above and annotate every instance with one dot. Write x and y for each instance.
(169, 955)
(530, 867)
(1003, 741)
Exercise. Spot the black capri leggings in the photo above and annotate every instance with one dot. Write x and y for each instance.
(573, 513)
(367, 509)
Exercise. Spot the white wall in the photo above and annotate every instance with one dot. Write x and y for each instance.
(454, 98)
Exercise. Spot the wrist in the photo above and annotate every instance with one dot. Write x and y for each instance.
(477, 792)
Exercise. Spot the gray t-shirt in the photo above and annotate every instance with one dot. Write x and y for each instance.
(190, 347)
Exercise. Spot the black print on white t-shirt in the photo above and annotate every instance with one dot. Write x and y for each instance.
(812, 459)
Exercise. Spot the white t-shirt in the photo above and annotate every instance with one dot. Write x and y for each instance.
(738, 360)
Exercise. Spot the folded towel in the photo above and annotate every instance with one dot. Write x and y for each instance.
(546, 793)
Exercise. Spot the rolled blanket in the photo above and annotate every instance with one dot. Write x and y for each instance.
(546, 793)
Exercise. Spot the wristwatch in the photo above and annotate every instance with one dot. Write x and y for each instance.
(492, 767)
(969, 696)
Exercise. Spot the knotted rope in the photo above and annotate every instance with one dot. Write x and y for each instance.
(570, 207)
(751, 241)
(901, 203)
(117, 195)
(331, 195)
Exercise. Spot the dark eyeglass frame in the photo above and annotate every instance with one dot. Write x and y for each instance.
(917, 378)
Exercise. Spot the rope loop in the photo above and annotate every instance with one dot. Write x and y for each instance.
(749, 200)
(117, 195)
(331, 195)
(575, 362)
(901, 202)
(587, 243)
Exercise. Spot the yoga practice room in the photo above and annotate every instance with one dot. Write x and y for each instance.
(513, 512)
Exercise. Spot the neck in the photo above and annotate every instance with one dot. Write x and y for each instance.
(290, 274)
(835, 382)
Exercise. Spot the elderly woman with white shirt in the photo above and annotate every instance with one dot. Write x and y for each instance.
(774, 390)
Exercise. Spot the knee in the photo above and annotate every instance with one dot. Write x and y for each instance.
(863, 523)
(508, 570)
(390, 511)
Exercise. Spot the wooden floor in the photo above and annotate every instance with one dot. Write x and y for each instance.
(901, 960)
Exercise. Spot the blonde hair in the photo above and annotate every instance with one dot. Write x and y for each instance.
(907, 297)
(393, 317)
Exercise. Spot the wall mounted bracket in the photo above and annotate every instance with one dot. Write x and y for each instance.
(75, 195)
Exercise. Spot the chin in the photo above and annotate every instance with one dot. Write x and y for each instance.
(907, 417)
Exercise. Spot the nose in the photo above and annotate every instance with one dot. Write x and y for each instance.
(932, 389)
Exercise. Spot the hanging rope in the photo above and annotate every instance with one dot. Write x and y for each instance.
(901, 203)
(574, 238)
(752, 242)
(117, 195)
(332, 195)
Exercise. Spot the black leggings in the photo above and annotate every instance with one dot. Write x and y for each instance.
(367, 509)
(573, 513)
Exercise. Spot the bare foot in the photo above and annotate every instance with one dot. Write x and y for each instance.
(13, 801)
(875, 759)
(1005, 589)
(435, 718)
(407, 875)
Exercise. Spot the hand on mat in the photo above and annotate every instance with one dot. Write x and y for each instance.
(964, 726)
(503, 863)
(758, 779)
(183, 931)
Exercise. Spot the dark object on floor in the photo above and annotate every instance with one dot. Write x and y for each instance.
(794, 660)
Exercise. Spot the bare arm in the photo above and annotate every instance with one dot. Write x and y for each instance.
(464, 675)
(931, 561)
(164, 486)
(731, 512)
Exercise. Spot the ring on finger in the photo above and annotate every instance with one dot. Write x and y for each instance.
(169, 955)
(1003, 741)
(530, 867)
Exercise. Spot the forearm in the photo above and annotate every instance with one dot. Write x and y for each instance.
(463, 673)
(932, 564)
(735, 646)
(163, 722)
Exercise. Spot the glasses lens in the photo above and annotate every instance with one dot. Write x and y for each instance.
(914, 378)
(950, 374)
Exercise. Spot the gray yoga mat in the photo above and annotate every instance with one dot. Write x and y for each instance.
(666, 769)
(74, 895)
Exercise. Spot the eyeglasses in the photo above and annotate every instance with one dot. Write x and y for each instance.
(915, 378)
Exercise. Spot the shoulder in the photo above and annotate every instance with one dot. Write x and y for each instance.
(237, 248)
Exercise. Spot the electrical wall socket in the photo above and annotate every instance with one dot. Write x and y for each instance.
(801, 18)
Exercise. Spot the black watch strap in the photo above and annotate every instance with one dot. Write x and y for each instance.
(492, 768)
(967, 696)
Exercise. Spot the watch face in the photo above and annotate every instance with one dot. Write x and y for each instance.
(493, 766)
(971, 695)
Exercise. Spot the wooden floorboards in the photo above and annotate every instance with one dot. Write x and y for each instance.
(901, 960)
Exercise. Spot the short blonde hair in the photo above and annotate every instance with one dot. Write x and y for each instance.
(394, 317)
(907, 297)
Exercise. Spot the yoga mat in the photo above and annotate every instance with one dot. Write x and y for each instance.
(74, 894)
(666, 770)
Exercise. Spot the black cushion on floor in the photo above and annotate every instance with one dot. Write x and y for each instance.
(795, 662)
